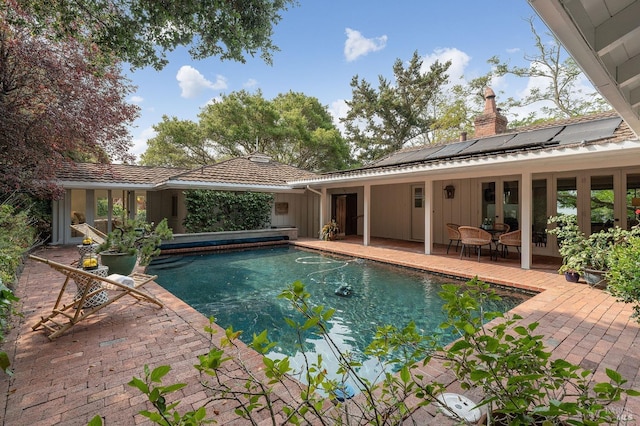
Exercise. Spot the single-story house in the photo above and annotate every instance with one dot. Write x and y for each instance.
(588, 166)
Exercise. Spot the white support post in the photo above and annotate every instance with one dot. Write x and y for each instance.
(428, 216)
(366, 232)
(526, 221)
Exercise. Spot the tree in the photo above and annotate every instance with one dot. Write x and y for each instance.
(141, 32)
(293, 129)
(382, 121)
(559, 77)
(55, 104)
(178, 143)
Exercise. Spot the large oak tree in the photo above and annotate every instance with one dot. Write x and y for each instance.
(141, 32)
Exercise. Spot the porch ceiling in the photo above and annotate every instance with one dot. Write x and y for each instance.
(603, 37)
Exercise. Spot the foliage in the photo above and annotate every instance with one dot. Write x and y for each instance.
(141, 32)
(293, 129)
(329, 229)
(623, 276)
(136, 237)
(558, 93)
(214, 211)
(505, 359)
(579, 251)
(17, 236)
(519, 379)
(178, 143)
(55, 105)
(381, 121)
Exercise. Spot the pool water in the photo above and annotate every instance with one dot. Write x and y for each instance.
(240, 289)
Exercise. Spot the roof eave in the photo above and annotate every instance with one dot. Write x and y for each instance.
(224, 186)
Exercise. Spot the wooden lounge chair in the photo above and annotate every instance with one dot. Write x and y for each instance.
(454, 235)
(94, 293)
(510, 239)
(96, 235)
(470, 236)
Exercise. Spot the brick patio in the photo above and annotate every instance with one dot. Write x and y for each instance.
(85, 371)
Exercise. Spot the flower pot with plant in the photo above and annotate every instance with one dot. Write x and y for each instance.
(130, 242)
(329, 231)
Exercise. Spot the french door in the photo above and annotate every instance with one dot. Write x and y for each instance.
(500, 202)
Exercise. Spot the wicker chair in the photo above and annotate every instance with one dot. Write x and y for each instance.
(510, 239)
(501, 227)
(454, 235)
(470, 236)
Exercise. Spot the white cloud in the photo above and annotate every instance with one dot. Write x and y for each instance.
(338, 109)
(193, 83)
(513, 50)
(252, 82)
(136, 99)
(357, 45)
(459, 62)
(140, 142)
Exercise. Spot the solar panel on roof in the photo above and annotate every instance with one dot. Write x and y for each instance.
(396, 158)
(450, 150)
(533, 137)
(493, 143)
(588, 131)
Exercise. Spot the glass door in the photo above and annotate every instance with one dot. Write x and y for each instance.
(602, 203)
(501, 202)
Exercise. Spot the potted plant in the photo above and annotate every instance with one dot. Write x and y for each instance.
(132, 241)
(589, 256)
(572, 245)
(329, 231)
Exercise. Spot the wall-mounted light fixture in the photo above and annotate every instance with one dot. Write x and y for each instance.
(449, 191)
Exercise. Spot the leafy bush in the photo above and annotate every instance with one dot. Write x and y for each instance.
(623, 276)
(520, 380)
(214, 211)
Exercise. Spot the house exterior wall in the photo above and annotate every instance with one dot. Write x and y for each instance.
(301, 211)
(391, 211)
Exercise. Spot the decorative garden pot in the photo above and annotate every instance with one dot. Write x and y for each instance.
(595, 277)
(119, 263)
(572, 277)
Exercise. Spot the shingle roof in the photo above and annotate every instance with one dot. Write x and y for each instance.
(254, 169)
(116, 173)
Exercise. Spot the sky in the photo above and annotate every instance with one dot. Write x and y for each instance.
(324, 43)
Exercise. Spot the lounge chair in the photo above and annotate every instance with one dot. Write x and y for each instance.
(470, 236)
(94, 293)
(85, 229)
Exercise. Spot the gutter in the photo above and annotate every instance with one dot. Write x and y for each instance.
(315, 191)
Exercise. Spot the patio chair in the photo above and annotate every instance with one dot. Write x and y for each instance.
(454, 235)
(93, 293)
(510, 239)
(96, 235)
(501, 227)
(470, 236)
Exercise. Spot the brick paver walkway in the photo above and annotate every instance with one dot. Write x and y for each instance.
(85, 372)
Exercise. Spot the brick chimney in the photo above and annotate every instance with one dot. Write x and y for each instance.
(490, 122)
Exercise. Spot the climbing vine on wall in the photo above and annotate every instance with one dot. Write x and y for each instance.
(213, 211)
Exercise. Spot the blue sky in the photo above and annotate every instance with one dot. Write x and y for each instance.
(324, 43)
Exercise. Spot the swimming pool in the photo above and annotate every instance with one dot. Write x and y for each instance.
(240, 289)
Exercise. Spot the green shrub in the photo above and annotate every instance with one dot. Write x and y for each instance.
(214, 211)
(623, 276)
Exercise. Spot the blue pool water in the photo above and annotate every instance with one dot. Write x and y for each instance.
(240, 289)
